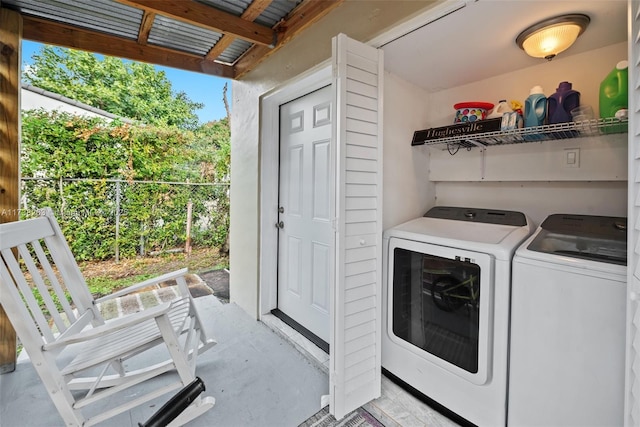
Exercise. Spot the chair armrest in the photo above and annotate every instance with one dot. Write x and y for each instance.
(144, 284)
(112, 326)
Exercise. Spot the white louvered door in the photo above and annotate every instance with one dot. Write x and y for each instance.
(632, 400)
(356, 296)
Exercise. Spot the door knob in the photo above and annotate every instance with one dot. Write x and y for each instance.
(281, 209)
(280, 224)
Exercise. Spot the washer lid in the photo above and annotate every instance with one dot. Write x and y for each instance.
(487, 216)
(498, 240)
(595, 238)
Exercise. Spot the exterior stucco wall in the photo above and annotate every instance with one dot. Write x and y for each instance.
(245, 169)
(359, 19)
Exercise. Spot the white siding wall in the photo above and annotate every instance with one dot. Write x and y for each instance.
(632, 398)
(30, 100)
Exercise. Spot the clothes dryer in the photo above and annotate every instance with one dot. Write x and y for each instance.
(446, 307)
(568, 324)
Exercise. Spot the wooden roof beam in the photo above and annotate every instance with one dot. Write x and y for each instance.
(303, 16)
(145, 27)
(207, 17)
(49, 32)
(254, 10)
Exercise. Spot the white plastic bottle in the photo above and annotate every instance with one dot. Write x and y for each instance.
(502, 107)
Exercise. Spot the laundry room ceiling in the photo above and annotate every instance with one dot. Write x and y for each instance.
(478, 40)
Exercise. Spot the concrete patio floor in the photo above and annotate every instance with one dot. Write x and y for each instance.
(260, 373)
(256, 377)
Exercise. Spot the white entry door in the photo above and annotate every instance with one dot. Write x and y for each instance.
(304, 221)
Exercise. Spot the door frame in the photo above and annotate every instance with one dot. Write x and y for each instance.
(308, 82)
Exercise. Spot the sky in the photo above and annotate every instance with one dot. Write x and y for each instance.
(199, 87)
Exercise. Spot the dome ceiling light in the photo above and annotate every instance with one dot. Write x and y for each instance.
(548, 38)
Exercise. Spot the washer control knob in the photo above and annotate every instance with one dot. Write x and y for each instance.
(362, 242)
(470, 214)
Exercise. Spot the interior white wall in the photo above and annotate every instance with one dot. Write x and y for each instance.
(538, 199)
(600, 159)
(533, 177)
(585, 71)
(407, 192)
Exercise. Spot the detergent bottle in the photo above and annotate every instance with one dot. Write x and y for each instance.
(560, 104)
(501, 108)
(614, 95)
(535, 107)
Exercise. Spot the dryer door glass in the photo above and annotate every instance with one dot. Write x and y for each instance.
(436, 305)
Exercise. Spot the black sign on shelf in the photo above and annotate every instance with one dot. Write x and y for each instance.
(422, 136)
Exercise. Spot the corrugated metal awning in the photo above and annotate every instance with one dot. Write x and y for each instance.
(209, 36)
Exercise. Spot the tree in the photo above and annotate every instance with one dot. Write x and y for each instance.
(211, 151)
(77, 165)
(60, 145)
(128, 89)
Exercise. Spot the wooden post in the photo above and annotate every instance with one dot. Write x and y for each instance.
(118, 192)
(10, 36)
(187, 247)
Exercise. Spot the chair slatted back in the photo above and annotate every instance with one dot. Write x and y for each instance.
(35, 255)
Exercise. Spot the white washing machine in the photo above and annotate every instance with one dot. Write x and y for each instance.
(568, 324)
(446, 307)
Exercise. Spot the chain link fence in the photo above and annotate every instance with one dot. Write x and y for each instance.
(114, 218)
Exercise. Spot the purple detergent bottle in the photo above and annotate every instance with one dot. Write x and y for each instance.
(560, 104)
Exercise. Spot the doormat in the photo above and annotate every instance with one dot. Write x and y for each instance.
(218, 281)
(357, 418)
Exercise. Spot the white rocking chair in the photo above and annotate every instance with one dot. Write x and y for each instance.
(80, 357)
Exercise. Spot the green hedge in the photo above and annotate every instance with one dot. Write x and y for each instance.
(86, 170)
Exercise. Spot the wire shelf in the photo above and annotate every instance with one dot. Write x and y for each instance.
(594, 127)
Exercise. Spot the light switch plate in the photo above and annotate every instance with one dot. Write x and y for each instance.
(571, 157)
